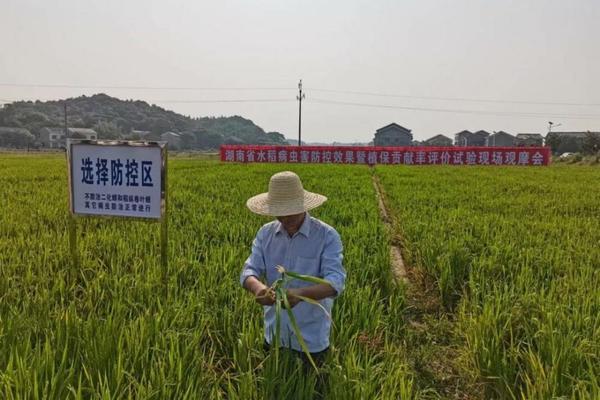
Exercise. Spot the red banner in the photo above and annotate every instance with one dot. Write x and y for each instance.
(414, 155)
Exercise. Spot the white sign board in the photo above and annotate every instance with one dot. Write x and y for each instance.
(116, 178)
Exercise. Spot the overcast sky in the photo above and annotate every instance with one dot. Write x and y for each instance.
(519, 53)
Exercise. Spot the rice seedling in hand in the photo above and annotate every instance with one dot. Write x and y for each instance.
(282, 302)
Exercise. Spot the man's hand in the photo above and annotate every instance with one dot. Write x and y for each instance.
(262, 294)
(265, 296)
(292, 299)
(315, 292)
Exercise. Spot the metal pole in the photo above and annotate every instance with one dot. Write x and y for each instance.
(72, 225)
(73, 247)
(66, 128)
(164, 237)
(299, 98)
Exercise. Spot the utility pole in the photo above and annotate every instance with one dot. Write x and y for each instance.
(300, 97)
(66, 129)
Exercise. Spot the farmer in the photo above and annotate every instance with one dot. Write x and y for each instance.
(302, 244)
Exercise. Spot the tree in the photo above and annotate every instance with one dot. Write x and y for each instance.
(100, 109)
(591, 143)
(15, 137)
(209, 140)
(107, 130)
(554, 141)
(187, 141)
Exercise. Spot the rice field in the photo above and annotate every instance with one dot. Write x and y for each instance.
(111, 334)
(513, 253)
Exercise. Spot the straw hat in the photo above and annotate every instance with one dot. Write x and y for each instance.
(286, 196)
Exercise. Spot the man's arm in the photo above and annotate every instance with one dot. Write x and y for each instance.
(262, 293)
(315, 292)
(254, 267)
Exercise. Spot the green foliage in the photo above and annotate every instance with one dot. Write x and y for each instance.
(107, 130)
(117, 117)
(17, 138)
(591, 143)
(281, 299)
(515, 253)
(109, 333)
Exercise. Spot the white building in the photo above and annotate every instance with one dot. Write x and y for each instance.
(55, 137)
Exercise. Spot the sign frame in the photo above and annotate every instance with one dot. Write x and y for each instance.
(162, 145)
(164, 210)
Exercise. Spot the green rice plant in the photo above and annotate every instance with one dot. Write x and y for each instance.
(278, 288)
(515, 255)
(109, 333)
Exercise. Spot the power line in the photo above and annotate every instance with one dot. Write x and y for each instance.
(65, 86)
(380, 106)
(466, 99)
(224, 101)
(460, 111)
(360, 93)
(201, 101)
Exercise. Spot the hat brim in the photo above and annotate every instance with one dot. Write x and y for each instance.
(260, 204)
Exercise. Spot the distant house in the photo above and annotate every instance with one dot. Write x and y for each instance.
(393, 135)
(501, 139)
(568, 142)
(82, 133)
(172, 138)
(529, 139)
(467, 138)
(462, 138)
(54, 138)
(479, 138)
(15, 137)
(438, 140)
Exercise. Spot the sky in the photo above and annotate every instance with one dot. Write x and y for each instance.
(432, 66)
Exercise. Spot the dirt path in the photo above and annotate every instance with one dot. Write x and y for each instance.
(431, 344)
(398, 267)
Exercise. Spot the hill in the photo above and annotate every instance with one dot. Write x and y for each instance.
(114, 118)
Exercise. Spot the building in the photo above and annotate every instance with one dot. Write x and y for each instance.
(54, 138)
(501, 139)
(462, 138)
(172, 138)
(467, 138)
(438, 140)
(479, 138)
(529, 139)
(82, 133)
(393, 135)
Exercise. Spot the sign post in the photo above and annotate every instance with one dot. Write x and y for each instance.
(118, 179)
